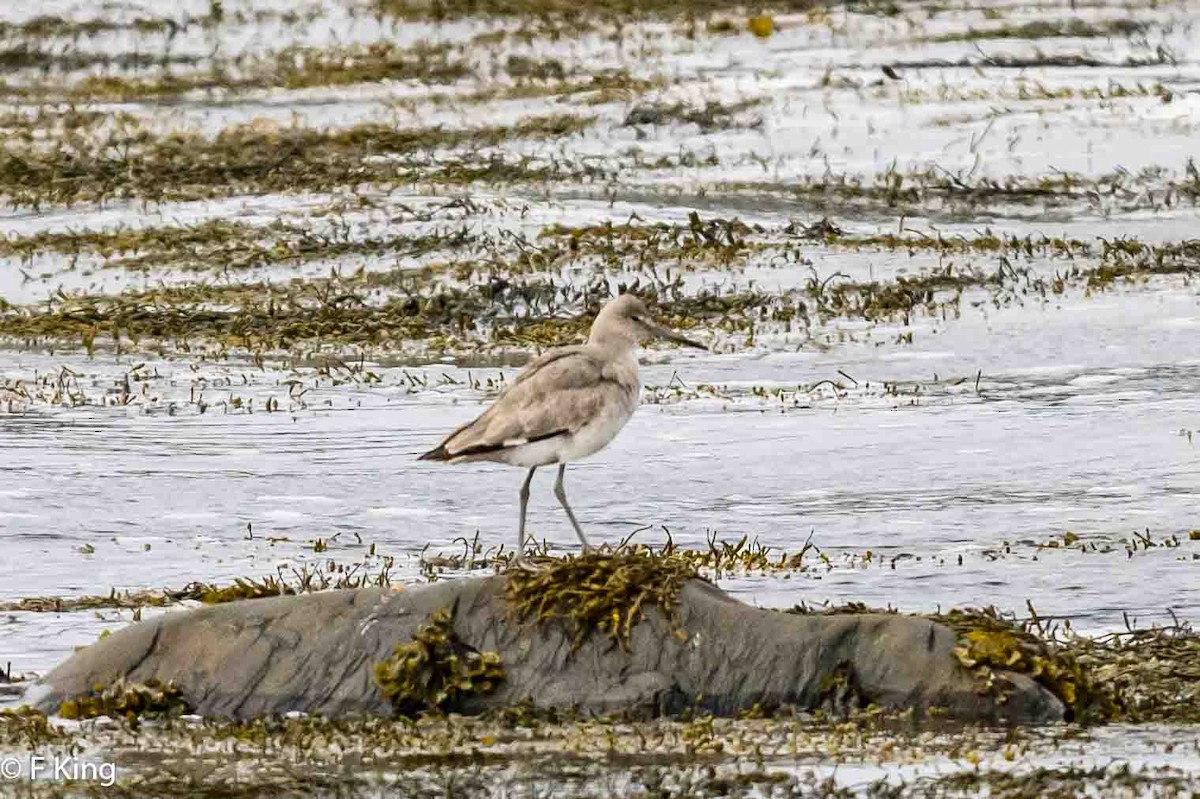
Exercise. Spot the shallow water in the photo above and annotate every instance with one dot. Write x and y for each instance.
(1078, 425)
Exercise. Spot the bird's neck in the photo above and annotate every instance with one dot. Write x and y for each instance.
(611, 342)
(620, 361)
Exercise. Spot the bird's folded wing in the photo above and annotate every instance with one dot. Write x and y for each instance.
(560, 398)
(544, 360)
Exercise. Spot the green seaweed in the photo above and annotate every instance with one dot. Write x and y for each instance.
(1138, 675)
(603, 592)
(128, 701)
(921, 191)
(254, 157)
(608, 10)
(1118, 779)
(26, 56)
(222, 245)
(46, 26)
(1048, 29)
(472, 304)
(712, 116)
(241, 588)
(54, 26)
(436, 670)
(29, 728)
(307, 580)
(990, 642)
(291, 68)
(506, 750)
(1153, 673)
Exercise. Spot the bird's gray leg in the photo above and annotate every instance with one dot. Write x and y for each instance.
(521, 562)
(561, 492)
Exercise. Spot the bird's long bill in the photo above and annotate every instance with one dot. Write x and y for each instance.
(670, 335)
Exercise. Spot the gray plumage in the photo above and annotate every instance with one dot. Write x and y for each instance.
(566, 405)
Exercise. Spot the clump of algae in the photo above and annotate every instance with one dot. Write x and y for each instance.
(129, 701)
(989, 641)
(1134, 675)
(257, 158)
(436, 669)
(619, 10)
(600, 591)
(1154, 673)
(25, 726)
(240, 588)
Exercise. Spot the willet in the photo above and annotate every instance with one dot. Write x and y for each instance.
(564, 406)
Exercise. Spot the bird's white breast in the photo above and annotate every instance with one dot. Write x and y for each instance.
(593, 436)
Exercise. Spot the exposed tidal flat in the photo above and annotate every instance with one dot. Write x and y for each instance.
(258, 256)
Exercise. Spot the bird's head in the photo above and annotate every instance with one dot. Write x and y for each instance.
(627, 320)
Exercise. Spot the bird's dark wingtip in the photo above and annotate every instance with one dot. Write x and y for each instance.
(437, 454)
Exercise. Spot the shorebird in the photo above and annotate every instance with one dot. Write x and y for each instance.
(566, 405)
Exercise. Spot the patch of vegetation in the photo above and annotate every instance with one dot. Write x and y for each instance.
(436, 670)
(1153, 673)
(1119, 779)
(28, 123)
(714, 242)
(506, 751)
(221, 245)
(483, 303)
(931, 190)
(743, 556)
(524, 68)
(340, 309)
(632, 245)
(307, 580)
(1049, 29)
(27, 728)
(258, 317)
(131, 702)
(728, 243)
(254, 158)
(1026, 89)
(1130, 259)
(1049, 60)
(597, 88)
(613, 10)
(53, 26)
(703, 758)
(599, 591)
(32, 57)
(1135, 675)
(54, 604)
(47, 26)
(827, 232)
(290, 68)
(991, 642)
(902, 298)
(608, 86)
(712, 116)
(304, 67)
(241, 588)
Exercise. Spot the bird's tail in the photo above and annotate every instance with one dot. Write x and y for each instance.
(438, 453)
